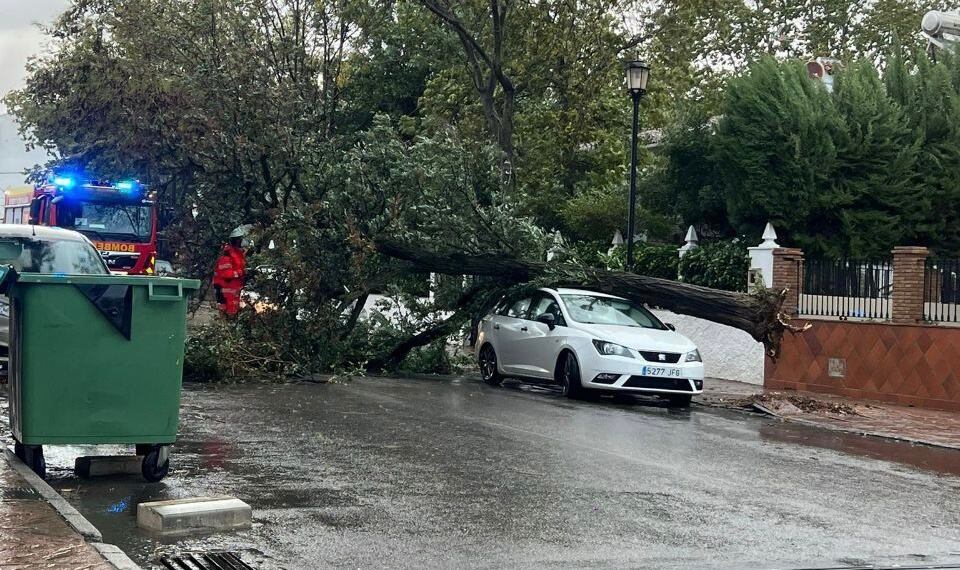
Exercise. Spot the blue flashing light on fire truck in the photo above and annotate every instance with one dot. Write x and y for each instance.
(119, 218)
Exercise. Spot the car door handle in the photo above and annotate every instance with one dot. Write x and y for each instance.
(496, 327)
(523, 328)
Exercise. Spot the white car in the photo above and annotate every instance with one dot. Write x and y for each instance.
(41, 249)
(585, 340)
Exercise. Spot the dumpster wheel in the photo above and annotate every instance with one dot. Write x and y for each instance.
(156, 463)
(32, 455)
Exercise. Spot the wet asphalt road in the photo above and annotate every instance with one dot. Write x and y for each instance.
(382, 473)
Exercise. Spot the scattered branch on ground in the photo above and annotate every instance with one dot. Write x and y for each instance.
(775, 401)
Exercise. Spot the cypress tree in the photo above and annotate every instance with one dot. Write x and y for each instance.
(874, 191)
(933, 110)
(775, 153)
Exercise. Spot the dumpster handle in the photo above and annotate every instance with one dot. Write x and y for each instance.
(161, 297)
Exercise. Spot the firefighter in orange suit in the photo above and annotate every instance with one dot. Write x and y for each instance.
(229, 272)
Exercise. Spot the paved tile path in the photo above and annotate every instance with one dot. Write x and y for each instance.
(876, 418)
(33, 535)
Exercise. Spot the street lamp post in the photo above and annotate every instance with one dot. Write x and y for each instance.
(638, 73)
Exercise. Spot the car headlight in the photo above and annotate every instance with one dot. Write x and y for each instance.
(693, 356)
(610, 349)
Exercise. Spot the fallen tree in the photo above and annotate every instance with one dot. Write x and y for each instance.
(477, 299)
(758, 313)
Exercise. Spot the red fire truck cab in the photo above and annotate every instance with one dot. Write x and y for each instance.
(119, 218)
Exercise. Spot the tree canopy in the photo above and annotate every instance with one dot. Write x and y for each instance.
(856, 171)
(482, 128)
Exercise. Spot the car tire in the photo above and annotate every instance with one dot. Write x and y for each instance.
(679, 400)
(488, 366)
(568, 376)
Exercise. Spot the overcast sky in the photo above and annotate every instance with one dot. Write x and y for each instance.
(20, 38)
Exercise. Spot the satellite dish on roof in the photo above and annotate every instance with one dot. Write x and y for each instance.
(815, 70)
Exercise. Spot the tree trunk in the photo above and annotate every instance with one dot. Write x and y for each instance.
(487, 73)
(756, 313)
(354, 314)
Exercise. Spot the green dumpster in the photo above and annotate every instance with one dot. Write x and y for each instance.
(96, 359)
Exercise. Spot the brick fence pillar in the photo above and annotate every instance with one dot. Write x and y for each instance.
(787, 269)
(909, 264)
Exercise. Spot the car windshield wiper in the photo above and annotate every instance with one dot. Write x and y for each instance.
(95, 233)
(125, 235)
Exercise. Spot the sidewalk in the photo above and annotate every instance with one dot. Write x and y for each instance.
(32, 532)
(917, 425)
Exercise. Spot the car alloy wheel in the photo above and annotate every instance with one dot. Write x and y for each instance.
(488, 366)
(570, 377)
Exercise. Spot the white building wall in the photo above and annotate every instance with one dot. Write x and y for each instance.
(727, 352)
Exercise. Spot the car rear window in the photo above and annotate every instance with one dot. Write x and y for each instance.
(35, 255)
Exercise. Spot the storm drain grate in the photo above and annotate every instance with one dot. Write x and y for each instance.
(205, 561)
(18, 494)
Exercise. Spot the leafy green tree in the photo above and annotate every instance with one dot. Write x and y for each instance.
(396, 54)
(569, 114)
(873, 190)
(775, 150)
(835, 173)
(930, 96)
(596, 214)
(653, 259)
(720, 265)
(210, 103)
(689, 179)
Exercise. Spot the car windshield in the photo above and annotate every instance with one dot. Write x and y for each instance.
(106, 220)
(595, 310)
(33, 255)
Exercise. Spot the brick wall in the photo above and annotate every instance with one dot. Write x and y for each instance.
(908, 270)
(787, 267)
(902, 361)
(903, 364)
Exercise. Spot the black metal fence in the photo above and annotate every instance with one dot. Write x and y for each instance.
(846, 288)
(941, 290)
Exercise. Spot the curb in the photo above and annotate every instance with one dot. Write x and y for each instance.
(882, 435)
(841, 429)
(113, 555)
(66, 510)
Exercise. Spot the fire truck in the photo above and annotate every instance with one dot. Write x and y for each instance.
(119, 218)
(16, 204)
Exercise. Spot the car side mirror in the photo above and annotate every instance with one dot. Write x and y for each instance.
(548, 319)
(671, 326)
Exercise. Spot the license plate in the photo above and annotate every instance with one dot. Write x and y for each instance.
(661, 371)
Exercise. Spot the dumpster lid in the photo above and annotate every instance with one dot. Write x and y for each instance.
(188, 284)
(112, 295)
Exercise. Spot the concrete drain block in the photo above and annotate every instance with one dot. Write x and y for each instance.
(204, 561)
(201, 514)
